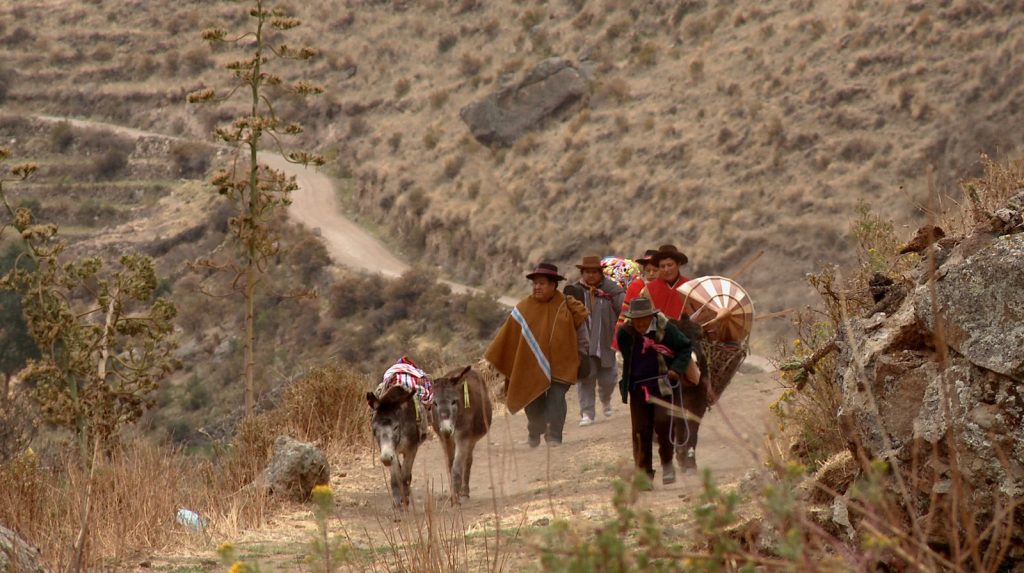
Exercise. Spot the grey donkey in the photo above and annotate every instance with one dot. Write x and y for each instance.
(461, 416)
(398, 436)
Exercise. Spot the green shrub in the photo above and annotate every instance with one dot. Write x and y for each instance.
(109, 164)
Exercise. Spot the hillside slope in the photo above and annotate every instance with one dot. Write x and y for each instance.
(725, 127)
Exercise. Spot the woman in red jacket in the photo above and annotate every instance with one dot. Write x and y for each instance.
(662, 291)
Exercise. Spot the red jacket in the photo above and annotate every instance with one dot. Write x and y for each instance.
(666, 298)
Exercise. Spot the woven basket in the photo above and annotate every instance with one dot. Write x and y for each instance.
(724, 359)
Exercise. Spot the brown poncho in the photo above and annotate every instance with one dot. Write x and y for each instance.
(553, 325)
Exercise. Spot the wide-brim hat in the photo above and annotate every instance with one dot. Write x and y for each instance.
(647, 257)
(669, 252)
(592, 262)
(546, 270)
(640, 307)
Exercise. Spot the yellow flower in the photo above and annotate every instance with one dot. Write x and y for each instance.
(322, 489)
(238, 567)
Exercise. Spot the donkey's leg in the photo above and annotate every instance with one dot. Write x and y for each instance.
(407, 461)
(449, 449)
(463, 448)
(397, 495)
(448, 442)
(469, 466)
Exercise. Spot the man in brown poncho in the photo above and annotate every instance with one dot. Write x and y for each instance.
(539, 350)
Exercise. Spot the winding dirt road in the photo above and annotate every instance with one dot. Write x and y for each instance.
(315, 206)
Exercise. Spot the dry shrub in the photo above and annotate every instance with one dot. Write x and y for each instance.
(328, 406)
(431, 138)
(109, 164)
(192, 158)
(984, 195)
(402, 87)
(438, 98)
(453, 165)
(470, 65)
(807, 410)
(615, 88)
(138, 488)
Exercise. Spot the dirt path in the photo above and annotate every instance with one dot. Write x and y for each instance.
(523, 489)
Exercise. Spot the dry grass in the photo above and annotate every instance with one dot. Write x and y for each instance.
(138, 489)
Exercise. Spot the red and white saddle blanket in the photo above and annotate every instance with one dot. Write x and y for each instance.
(406, 374)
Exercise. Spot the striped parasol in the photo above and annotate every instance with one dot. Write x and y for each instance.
(721, 306)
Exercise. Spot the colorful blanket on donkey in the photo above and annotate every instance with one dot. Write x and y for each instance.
(406, 374)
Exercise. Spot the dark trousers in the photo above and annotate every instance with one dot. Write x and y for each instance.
(648, 420)
(695, 402)
(546, 415)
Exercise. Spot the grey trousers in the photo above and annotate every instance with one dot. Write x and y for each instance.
(545, 416)
(603, 380)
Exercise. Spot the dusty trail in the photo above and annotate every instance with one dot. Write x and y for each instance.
(523, 489)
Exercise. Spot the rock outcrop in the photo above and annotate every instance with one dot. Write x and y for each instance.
(504, 116)
(935, 388)
(295, 469)
(16, 556)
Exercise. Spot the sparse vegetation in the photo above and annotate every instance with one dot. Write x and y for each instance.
(784, 133)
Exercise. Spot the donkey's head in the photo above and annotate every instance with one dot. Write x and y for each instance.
(390, 420)
(449, 399)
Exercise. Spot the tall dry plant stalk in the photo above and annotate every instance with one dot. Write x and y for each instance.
(258, 192)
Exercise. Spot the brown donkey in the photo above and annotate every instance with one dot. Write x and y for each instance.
(461, 416)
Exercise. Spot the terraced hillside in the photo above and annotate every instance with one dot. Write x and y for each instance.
(723, 126)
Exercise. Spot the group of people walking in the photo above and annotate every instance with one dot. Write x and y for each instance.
(554, 339)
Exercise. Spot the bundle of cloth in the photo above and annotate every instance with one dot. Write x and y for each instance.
(621, 270)
(405, 377)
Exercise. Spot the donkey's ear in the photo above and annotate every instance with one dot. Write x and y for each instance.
(372, 401)
(464, 371)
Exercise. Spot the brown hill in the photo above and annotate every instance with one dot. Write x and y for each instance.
(723, 126)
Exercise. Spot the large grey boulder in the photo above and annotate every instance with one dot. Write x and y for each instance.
(17, 556)
(295, 469)
(953, 427)
(503, 116)
(982, 303)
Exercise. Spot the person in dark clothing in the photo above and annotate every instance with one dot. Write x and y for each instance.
(655, 356)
